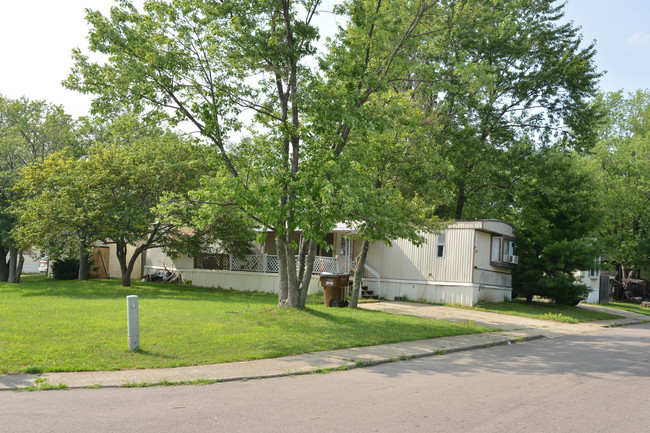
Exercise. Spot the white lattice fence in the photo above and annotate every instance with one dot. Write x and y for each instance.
(270, 264)
(329, 264)
(251, 263)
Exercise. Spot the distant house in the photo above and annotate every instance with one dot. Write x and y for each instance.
(598, 283)
(31, 263)
(469, 262)
(591, 279)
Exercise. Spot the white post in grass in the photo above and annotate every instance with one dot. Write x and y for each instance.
(133, 322)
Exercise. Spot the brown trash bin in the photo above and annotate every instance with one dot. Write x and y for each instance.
(334, 289)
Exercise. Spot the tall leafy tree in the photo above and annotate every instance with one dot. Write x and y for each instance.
(392, 179)
(556, 213)
(133, 194)
(29, 132)
(206, 61)
(622, 161)
(497, 73)
(55, 213)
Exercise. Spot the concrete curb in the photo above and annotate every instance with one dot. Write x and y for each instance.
(626, 323)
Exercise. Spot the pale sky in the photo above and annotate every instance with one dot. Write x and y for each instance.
(621, 29)
(37, 37)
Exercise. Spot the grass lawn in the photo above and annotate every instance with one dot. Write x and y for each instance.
(48, 325)
(628, 306)
(546, 311)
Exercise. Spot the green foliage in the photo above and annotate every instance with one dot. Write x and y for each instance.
(345, 134)
(286, 175)
(622, 162)
(55, 212)
(505, 72)
(132, 189)
(29, 132)
(561, 288)
(50, 387)
(32, 130)
(65, 269)
(391, 166)
(555, 215)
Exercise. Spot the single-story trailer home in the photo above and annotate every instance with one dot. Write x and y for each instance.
(469, 262)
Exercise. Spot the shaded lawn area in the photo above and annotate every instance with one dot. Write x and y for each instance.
(546, 311)
(628, 306)
(48, 325)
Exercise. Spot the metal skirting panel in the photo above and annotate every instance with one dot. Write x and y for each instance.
(466, 294)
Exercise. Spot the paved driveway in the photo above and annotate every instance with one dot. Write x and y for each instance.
(548, 328)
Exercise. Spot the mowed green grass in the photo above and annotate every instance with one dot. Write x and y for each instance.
(628, 306)
(48, 325)
(546, 311)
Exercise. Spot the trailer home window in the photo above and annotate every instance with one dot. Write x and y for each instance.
(496, 249)
(595, 271)
(508, 250)
(441, 245)
(502, 251)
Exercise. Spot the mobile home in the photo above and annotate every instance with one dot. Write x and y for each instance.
(469, 262)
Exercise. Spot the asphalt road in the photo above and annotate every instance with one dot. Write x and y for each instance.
(595, 382)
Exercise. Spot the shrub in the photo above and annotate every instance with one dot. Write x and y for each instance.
(561, 289)
(571, 295)
(65, 269)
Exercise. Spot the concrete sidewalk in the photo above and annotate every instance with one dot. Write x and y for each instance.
(511, 329)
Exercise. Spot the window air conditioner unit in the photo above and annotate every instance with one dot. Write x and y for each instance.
(513, 259)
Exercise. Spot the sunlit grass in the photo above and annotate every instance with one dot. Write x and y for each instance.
(48, 325)
(628, 306)
(546, 311)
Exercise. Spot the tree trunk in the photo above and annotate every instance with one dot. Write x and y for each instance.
(293, 300)
(19, 267)
(126, 278)
(305, 247)
(13, 265)
(283, 292)
(358, 274)
(4, 265)
(84, 259)
(290, 293)
(460, 202)
(120, 252)
(305, 279)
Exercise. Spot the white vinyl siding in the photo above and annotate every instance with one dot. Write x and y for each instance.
(405, 261)
(156, 257)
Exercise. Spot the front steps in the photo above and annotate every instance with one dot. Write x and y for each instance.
(366, 293)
